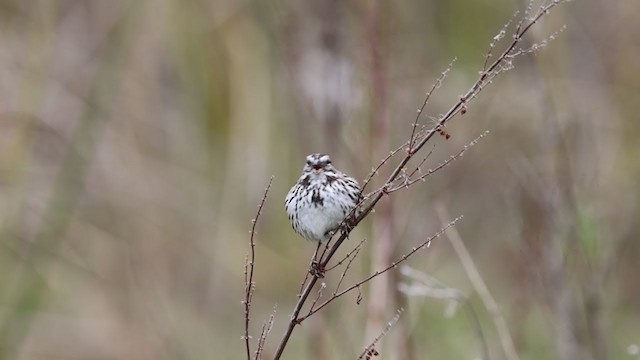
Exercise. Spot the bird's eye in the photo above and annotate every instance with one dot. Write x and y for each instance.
(308, 162)
(328, 161)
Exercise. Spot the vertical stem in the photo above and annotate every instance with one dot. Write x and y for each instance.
(383, 220)
(294, 317)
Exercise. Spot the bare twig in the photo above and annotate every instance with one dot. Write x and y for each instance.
(416, 143)
(375, 170)
(315, 301)
(348, 256)
(497, 38)
(370, 349)
(248, 272)
(344, 273)
(327, 245)
(306, 276)
(425, 244)
(408, 181)
(266, 329)
(424, 159)
(435, 85)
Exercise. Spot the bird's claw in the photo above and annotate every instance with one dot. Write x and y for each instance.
(317, 269)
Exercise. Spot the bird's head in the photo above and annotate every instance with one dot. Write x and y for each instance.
(317, 163)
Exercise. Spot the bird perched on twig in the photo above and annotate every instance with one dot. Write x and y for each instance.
(321, 199)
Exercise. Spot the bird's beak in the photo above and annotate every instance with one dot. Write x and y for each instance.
(317, 167)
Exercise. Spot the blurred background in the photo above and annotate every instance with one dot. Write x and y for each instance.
(137, 137)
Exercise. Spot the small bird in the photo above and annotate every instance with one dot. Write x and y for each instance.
(321, 199)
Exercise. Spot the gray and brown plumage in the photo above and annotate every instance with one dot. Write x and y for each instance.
(321, 198)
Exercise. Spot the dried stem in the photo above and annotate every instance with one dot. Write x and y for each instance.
(423, 245)
(315, 301)
(435, 85)
(499, 37)
(306, 276)
(408, 181)
(424, 159)
(416, 143)
(375, 170)
(266, 329)
(348, 256)
(248, 272)
(344, 273)
(370, 349)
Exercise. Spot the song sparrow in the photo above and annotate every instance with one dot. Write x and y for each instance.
(321, 199)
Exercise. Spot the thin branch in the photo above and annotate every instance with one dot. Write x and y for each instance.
(315, 301)
(375, 170)
(248, 272)
(539, 45)
(306, 277)
(470, 94)
(294, 316)
(425, 244)
(266, 329)
(312, 263)
(408, 182)
(497, 38)
(419, 141)
(355, 249)
(424, 159)
(328, 243)
(344, 273)
(370, 350)
(435, 85)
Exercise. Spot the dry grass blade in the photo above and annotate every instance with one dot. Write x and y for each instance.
(481, 288)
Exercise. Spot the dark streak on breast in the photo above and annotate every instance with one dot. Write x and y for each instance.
(317, 199)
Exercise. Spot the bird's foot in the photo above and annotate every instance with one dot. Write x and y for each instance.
(317, 269)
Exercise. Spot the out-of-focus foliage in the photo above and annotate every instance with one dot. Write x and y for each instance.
(136, 139)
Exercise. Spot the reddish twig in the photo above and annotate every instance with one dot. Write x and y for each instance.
(435, 85)
(248, 273)
(344, 273)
